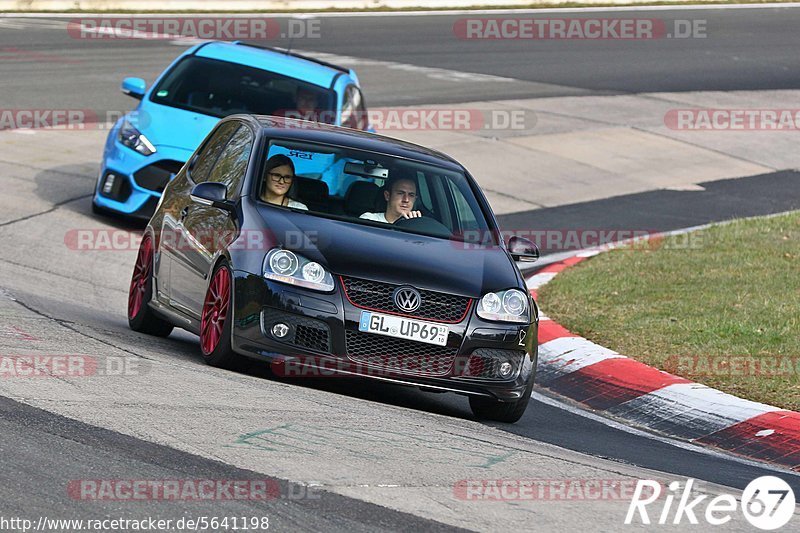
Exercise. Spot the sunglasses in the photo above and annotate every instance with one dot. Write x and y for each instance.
(278, 178)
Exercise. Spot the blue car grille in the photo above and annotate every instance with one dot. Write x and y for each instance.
(155, 177)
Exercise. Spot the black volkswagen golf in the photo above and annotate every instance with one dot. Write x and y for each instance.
(328, 251)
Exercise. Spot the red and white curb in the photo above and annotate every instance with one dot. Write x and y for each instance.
(646, 397)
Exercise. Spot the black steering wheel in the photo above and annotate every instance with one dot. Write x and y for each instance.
(424, 224)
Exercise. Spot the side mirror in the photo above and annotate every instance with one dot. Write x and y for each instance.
(134, 87)
(522, 249)
(212, 194)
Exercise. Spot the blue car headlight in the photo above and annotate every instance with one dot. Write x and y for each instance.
(504, 306)
(288, 267)
(134, 139)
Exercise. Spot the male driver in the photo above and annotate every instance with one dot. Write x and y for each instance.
(400, 195)
(307, 108)
(306, 101)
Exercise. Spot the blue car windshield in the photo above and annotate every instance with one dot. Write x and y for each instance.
(373, 189)
(219, 89)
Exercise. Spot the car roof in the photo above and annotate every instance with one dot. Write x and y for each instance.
(302, 130)
(279, 61)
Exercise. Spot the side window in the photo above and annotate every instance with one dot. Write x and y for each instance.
(424, 192)
(464, 213)
(232, 162)
(210, 152)
(354, 112)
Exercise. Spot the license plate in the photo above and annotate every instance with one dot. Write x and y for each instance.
(403, 328)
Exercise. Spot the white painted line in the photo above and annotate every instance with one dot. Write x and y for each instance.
(569, 354)
(698, 407)
(539, 280)
(442, 74)
(588, 253)
(687, 187)
(553, 402)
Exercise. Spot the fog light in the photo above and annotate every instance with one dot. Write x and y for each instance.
(506, 369)
(280, 330)
(109, 183)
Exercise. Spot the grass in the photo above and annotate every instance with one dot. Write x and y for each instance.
(719, 306)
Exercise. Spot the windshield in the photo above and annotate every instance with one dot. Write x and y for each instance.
(371, 189)
(219, 89)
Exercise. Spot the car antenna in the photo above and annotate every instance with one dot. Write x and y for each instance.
(289, 48)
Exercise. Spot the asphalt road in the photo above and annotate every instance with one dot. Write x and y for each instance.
(741, 50)
(33, 478)
(666, 210)
(75, 300)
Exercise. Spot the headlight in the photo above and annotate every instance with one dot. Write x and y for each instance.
(135, 140)
(288, 267)
(505, 306)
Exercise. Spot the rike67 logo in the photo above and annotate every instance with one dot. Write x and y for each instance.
(767, 503)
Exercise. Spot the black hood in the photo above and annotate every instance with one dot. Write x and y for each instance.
(393, 256)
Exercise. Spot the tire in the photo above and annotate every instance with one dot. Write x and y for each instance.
(216, 319)
(140, 317)
(510, 412)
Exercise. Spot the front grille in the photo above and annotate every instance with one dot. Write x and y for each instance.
(155, 177)
(484, 363)
(436, 306)
(398, 355)
(303, 332)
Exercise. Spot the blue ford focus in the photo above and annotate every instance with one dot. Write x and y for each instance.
(148, 146)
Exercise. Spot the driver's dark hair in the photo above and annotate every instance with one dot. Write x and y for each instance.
(396, 177)
(279, 160)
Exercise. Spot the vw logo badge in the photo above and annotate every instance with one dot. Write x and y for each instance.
(407, 299)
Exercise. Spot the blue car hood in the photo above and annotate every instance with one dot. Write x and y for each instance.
(173, 127)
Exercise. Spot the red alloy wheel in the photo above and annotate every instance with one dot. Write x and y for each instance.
(215, 310)
(140, 278)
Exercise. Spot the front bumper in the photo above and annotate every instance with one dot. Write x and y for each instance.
(139, 180)
(324, 341)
